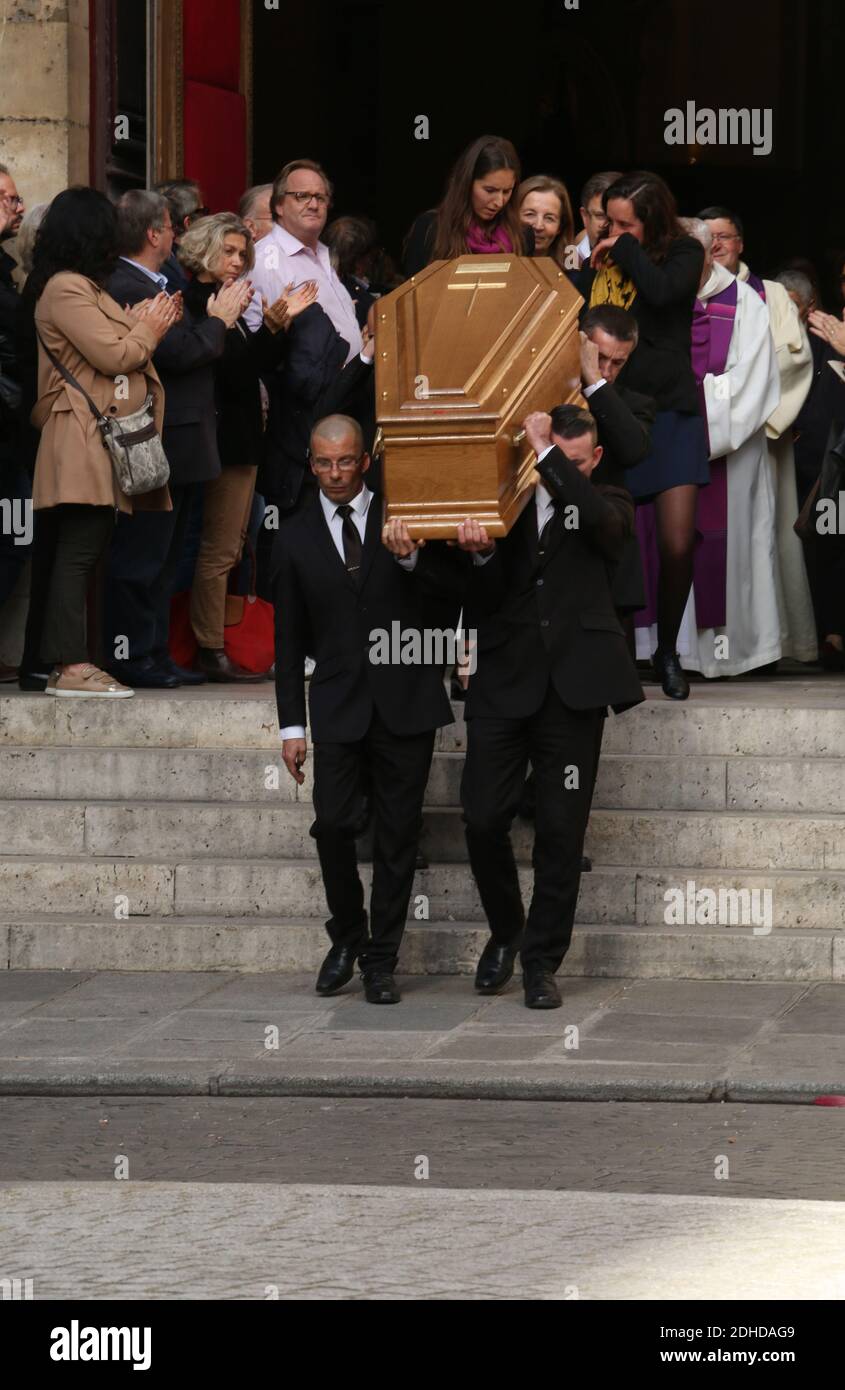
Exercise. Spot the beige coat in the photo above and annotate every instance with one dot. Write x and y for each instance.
(90, 335)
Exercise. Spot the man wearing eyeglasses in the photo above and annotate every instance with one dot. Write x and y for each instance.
(327, 367)
(292, 251)
(795, 367)
(341, 582)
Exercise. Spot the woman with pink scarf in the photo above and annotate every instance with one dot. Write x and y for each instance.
(477, 214)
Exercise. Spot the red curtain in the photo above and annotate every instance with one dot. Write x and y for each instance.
(214, 111)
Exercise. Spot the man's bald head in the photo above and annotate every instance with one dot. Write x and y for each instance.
(335, 429)
(338, 460)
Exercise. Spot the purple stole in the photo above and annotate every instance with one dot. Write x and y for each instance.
(757, 284)
(712, 330)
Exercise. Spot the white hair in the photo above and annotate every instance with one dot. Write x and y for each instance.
(695, 227)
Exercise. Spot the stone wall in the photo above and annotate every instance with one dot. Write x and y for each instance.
(44, 106)
(44, 101)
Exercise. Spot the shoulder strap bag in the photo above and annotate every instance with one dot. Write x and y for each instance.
(137, 454)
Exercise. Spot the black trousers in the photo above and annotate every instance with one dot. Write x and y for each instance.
(563, 747)
(394, 771)
(69, 542)
(141, 572)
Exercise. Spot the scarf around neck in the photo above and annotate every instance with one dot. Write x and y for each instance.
(480, 242)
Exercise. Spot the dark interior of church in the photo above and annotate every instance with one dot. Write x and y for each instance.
(577, 89)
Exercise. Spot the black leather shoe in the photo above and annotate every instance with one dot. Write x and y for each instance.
(380, 987)
(33, 680)
(182, 674)
(219, 667)
(541, 991)
(495, 967)
(145, 674)
(337, 969)
(667, 669)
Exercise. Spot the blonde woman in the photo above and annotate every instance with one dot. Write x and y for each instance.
(219, 250)
(543, 204)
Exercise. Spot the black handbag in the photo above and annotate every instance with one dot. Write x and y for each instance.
(826, 488)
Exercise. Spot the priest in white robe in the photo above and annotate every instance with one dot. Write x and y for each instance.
(795, 365)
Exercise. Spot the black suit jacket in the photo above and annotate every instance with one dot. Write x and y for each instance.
(237, 380)
(624, 420)
(322, 612)
(311, 382)
(184, 359)
(550, 618)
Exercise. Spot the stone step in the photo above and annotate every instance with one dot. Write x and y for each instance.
(758, 719)
(33, 942)
(134, 888)
(254, 830)
(679, 782)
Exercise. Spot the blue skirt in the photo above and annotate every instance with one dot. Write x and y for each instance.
(679, 455)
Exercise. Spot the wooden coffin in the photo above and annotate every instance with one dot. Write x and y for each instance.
(464, 351)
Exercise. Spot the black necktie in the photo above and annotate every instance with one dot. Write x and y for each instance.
(543, 538)
(351, 542)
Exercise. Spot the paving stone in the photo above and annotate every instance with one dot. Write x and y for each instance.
(822, 1010)
(112, 995)
(22, 990)
(635, 1051)
(190, 1035)
(614, 1022)
(55, 1038)
(489, 1046)
(414, 1012)
(361, 1044)
(286, 992)
(783, 1054)
(745, 998)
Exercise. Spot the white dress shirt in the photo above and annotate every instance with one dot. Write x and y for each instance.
(583, 248)
(282, 259)
(544, 503)
(360, 505)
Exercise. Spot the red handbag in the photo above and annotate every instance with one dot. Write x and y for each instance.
(248, 633)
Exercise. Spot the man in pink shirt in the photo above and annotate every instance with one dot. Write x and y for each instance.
(292, 251)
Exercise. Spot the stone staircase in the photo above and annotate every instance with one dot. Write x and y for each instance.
(164, 833)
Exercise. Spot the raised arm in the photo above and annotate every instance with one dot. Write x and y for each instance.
(73, 310)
